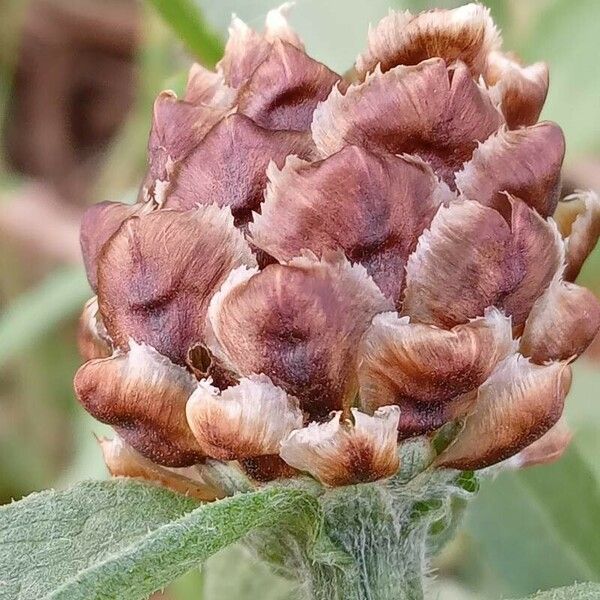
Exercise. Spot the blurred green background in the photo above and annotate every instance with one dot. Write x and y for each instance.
(77, 83)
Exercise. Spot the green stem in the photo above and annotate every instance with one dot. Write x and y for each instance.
(385, 546)
(376, 539)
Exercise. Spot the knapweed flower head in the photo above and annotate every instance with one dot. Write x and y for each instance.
(320, 267)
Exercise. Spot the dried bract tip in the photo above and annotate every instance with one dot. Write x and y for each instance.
(285, 88)
(247, 420)
(207, 87)
(99, 223)
(470, 259)
(525, 163)
(246, 49)
(515, 407)
(548, 449)
(278, 28)
(519, 90)
(123, 461)
(177, 126)
(466, 33)
(561, 324)
(343, 452)
(427, 370)
(228, 168)
(92, 338)
(578, 218)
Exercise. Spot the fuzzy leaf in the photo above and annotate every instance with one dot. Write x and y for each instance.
(123, 539)
(580, 591)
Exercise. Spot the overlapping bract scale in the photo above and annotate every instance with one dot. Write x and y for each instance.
(374, 207)
(433, 110)
(299, 324)
(319, 266)
(429, 372)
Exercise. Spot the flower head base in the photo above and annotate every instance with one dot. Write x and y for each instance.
(319, 268)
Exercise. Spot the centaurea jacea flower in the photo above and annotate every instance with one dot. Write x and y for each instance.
(321, 267)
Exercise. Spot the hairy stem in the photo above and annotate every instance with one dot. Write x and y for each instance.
(377, 539)
(386, 549)
(381, 536)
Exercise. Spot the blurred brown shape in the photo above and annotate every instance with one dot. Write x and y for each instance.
(74, 82)
(38, 220)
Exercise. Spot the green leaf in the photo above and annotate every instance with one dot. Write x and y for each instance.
(186, 20)
(539, 527)
(123, 539)
(59, 296)
(581, 591)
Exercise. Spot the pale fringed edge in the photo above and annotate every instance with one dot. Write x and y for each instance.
(346, 450)
(124, 461)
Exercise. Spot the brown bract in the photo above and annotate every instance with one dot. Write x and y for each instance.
(299, 324)
(418, 418)
(158, 272)
(123, 461)
(578, 218)
(548, 449)
(515, 407)
(177, 127)
(471, 258)
(525, 163)
(561, 324)
(98, 224)
(143, 396)
(346, 451)
(247, 420)
(92, 338)
(373, 207)
(436, 112)
(426, 370)
(536, 255)
(207, 87)
(285, 89)
(466, 33)
(246, 48)
(229, 167)
(519, 90)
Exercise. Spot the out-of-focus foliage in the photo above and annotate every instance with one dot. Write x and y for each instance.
(540, 526)
(40, 310)
(529, 530)
(188, 24)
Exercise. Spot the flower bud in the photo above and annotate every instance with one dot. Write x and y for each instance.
(319, 267)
